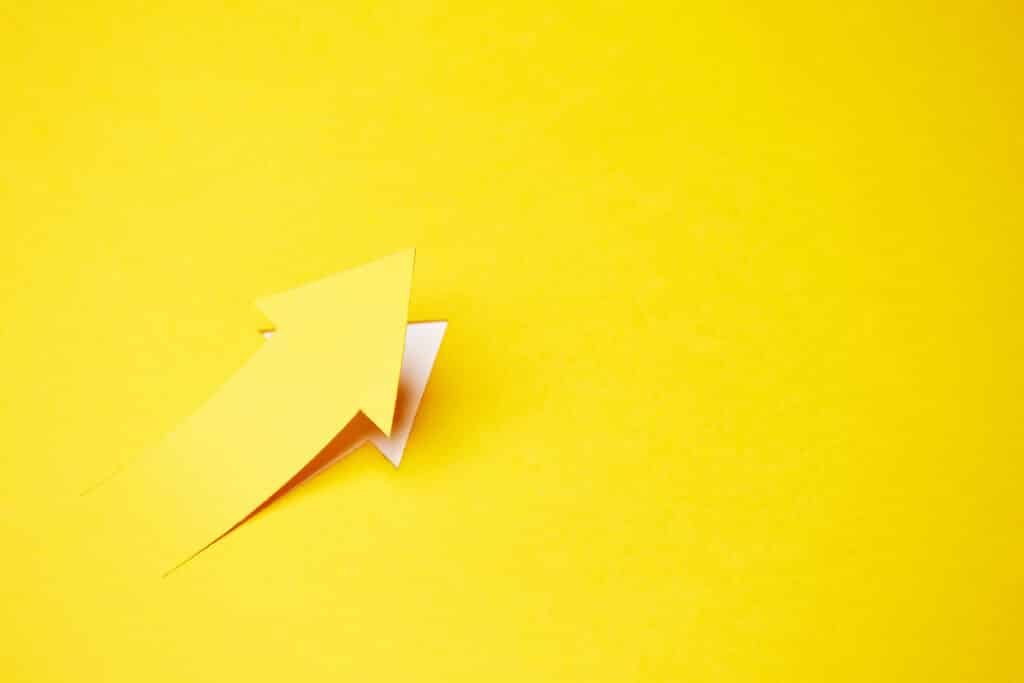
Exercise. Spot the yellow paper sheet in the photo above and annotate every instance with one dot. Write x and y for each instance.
(731, 385)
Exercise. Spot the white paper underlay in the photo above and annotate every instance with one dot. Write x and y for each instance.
(422, 343)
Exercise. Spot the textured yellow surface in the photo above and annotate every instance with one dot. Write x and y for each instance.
(730, 390)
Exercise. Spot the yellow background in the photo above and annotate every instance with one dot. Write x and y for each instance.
(730, 390)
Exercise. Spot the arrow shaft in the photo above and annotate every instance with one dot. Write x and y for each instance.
(225, 460)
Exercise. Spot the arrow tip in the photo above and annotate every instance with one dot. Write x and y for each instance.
(365, 309)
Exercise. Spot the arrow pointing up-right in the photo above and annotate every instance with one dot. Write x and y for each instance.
(336, 354)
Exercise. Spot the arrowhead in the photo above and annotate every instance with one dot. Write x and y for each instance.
(356, 321)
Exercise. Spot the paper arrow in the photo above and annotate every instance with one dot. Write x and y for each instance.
(336, 353)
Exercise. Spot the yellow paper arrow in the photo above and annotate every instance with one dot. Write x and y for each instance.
(337, 350)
